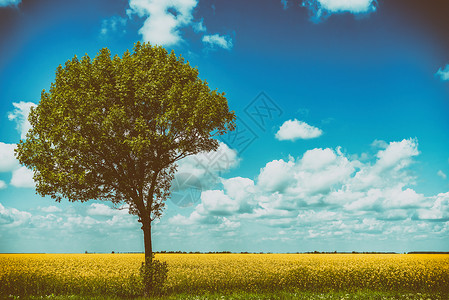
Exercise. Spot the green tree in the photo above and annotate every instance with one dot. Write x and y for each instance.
(112, 129)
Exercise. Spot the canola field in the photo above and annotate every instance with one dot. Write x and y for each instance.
(118, 274)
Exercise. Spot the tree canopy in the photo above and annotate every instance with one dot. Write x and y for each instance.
(112, 129)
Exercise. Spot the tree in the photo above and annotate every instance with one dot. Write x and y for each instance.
(112, 129)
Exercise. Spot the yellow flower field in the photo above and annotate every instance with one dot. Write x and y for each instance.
(117, 274)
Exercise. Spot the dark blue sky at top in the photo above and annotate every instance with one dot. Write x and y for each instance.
(359, 78)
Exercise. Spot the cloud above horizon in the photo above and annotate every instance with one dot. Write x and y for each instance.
(323, 8)
(322, 193)
(293, 129)
(326, 186)
(8, 161)
(20, 116)
(443, 73)
(20, 176)
(112, 25)
(165, 20)
(216, 40)
(4, 3)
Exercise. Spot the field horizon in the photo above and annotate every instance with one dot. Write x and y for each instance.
(236, 252)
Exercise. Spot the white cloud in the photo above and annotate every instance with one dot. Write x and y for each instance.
(228, 224)
(439, 209)
(8, 161)
(386, 199)
(99, 209)
(276, 175)
(218, 225)
(221, 41)
(317, 159)
(9, 2)
(399, 197)
(238, 187)
(325, 186)
(216, 202)
(388, 171)
(442, 174)
(242, 190)
(321, 8)
(443, 73)
(319, 171)
(329, 194)
(113, 25)
(206, 167)
(294, 129)
(22, 177)
(353, 6)
(180, 220)
(322, 178)
(11, 217)
(122, 222)
(164, 19)
(397, 154)
(20, 116)
(78, 221)
(51, 209)
(199, 26)
(3, 185)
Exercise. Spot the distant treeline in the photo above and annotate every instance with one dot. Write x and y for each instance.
(427, 252)
(245, 252)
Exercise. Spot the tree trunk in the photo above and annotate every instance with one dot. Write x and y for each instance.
(146, 227)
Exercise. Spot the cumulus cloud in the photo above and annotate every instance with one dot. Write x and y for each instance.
(207, 167)
(217, 206)
(164, 22)
(11, 217)
(8, 161)
(216, 40)
(321, 8)
(327, 193)
(242, 190)
(20, 116)
(3, 185)
(164, 19)
(9, 2)
(293, 129)
(439, 210)
(389, 167)
(321, 193)
(398, 154)
(276, 175)
(23, 178)
(443, 73)
(319, 171)
(216, 202)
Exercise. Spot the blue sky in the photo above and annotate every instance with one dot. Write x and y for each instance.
(342, 131)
